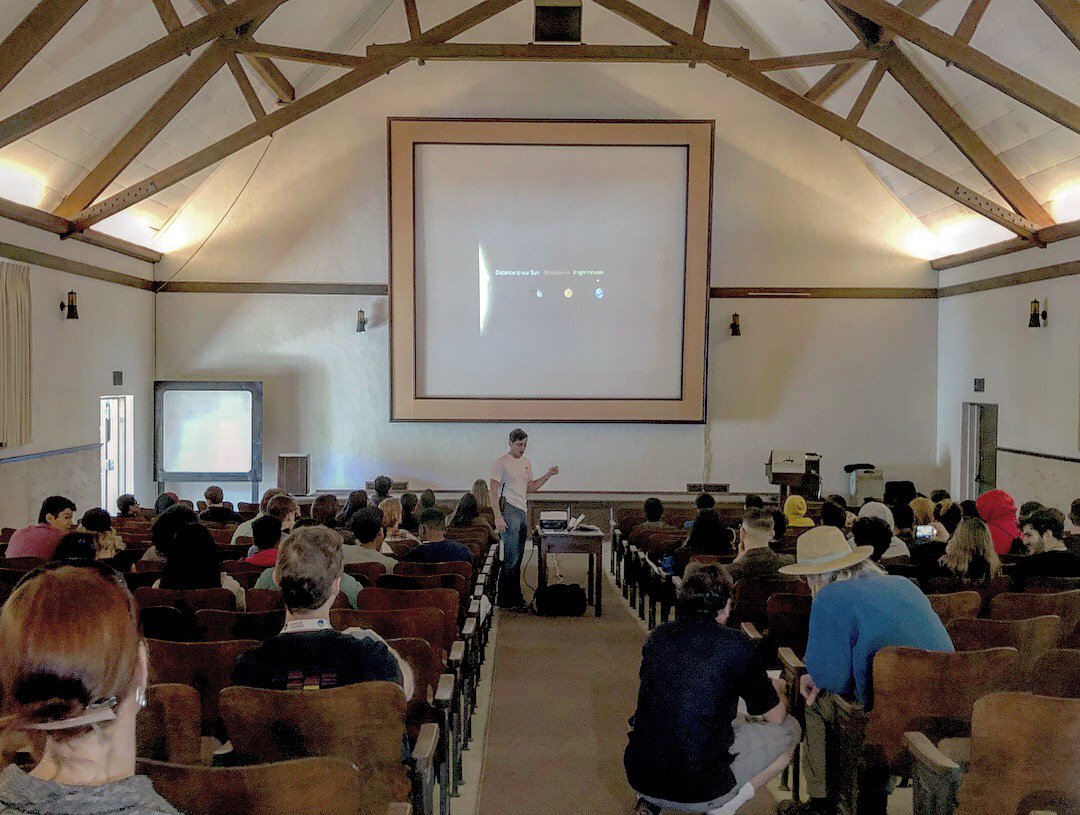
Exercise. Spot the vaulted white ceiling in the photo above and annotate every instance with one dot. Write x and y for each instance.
(42, 168)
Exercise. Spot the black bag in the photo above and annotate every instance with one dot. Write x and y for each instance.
(560, 600)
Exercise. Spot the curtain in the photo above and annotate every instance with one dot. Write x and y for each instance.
(15, 376)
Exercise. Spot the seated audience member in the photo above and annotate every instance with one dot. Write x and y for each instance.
(706, 501)
(779, 520)
(1048, 556)
(708, 536)
(1073, 525)
(970, 554)
(54, 521)
(751, 501)
(78, 545)
(127, 506)
(850, 516)
(382, 484)
(467, 514)
(392, 516)
(79, 694)
(163, 530)
(244, 529)
(1026, 509)
(856, 610)
(946, 516)
(164, 501)
(481, 494)
(756, 560)
(98, 522)
(357, 500)
(876, 509)
(795, 510)
(192, 563)
(904, 523)
(969, 509)
(350, 586)
(436, 548)
(937, 496)
(653, 509)
(410, 522)
(324, 510)
(266, 533)
(998, 511)
(924, 511)
(285, 509)
(688, 749)
(216, 512)
(367, 529)
(309, 654)
(834, 515)
(427, 500)
(873, 532)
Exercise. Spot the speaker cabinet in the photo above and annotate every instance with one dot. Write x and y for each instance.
(292, 473)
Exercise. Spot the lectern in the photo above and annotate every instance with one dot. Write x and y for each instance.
(795, 472)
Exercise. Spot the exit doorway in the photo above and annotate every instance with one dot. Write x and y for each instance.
(117, 438)
(978, 449)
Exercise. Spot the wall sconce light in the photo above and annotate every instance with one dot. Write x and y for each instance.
(361, 322)
(736, 331)
(1037, 318)
(71, 306)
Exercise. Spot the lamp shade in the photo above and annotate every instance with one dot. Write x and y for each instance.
(72, 306)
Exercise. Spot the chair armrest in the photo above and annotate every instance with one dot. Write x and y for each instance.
(423, 769)
(848, 707)
(457, 653)
(935, 778)
(789, 662)
(752, 632)
(423, 753)
(399, 809)
(444, 691)
(468, 631)
(474, 609)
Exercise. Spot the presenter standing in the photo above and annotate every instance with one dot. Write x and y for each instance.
(511, 482)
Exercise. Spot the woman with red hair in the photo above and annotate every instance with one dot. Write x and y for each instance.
(74, 669)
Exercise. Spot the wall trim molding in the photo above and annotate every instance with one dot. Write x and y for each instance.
(1066, 269)
(1033, 454)
(75, 267)
(222, 287)
(47, 453)
(821, 292)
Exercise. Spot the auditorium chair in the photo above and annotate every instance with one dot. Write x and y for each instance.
(244, 573)
(363, 723)
(1050, 584)
(213, 625)
(955, 606)
(167, 623)
(1057, 673)
(156, 566)
(430, 581)
(232, 551)
(432, 702)
(1031, 638)
(787, 625)
(138, 580)
(167, 729)
(6, 533)
(928, 691)
(188, 601)
(20, 565)
(750, 598)
(448, 567)
(1017, 606)
(247, 541)
(328, 786)
(366, 573)
(124, 559)
(205, 666)
(1024, 753)
(263, 600)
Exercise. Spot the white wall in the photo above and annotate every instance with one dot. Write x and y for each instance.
(852, 380)
(73, 361)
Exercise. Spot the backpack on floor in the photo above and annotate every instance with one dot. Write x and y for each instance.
(560, 600)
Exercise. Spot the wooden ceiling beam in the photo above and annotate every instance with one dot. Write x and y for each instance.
(833, 80)
(246, 90)
(46, 221)
(1044, 237)
(163, 111)
(867, 92)
(169, 18)
(413, 18)
(301, 54)
(952, 124)
(860, 55)
(830, 121)
(274, 121)
(1066, 16)
(130, 68)
(266, 70)
(970, 21)
(963, 56)
(557, 53)
(31, 35)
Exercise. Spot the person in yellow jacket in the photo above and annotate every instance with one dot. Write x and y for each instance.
(795, 511)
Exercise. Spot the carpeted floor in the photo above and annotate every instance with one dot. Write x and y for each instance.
(562, 692)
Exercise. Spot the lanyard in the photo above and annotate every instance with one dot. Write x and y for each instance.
(298, 626)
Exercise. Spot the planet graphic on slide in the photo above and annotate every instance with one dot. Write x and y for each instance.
(599, 294)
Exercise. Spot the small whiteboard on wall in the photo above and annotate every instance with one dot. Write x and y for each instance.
(208, 431)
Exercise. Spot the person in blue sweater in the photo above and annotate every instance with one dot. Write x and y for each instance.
(857, 610)
(436, 548)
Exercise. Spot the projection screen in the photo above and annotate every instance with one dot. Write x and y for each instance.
(553, 271)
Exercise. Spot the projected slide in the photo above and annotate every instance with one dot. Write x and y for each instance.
(208, 429)
(549, 270)
(556, 271)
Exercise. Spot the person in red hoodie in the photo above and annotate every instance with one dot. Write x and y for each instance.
(998, 511)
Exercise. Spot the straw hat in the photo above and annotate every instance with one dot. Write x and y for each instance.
(824, 549)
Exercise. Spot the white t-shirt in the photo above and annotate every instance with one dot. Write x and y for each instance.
(514, 474)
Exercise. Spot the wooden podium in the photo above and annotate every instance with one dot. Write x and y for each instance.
(292, 473)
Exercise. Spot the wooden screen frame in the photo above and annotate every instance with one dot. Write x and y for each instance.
(403, 134)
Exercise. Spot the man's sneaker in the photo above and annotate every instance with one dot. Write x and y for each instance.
(644, 807)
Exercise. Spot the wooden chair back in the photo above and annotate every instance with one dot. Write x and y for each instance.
(124, 559)
(331, 786)
(155, 566)
(222, 536)
(368, 571)
(932, 692)
(1049, 584)
(1031, 638)
(427, 624)
(190, 600)
(247, 541)
(167, 729)
(446, 600)
(6, 533)
(138, 580)
(660, 541)
(450, 567)
(626, 518)
(467, 534)
(789, 621)
(426, 667)
(1017, 606)
(212, 625)
(955, 606)
(22, 565)
(263, 600)
(362, 723)
(205, 666)
(1024, 753)
(1057, 673)
(233, 551)
(750, 599)
(246, 506)
(166, 623)
(679, 517)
